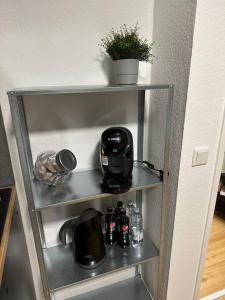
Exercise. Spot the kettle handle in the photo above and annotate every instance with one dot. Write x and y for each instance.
(65, 227)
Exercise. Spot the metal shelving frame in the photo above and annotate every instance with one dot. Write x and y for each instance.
(26, 161)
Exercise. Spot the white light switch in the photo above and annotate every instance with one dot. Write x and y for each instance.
(200, 156)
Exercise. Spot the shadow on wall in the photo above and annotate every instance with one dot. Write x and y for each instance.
(60, 112)
(106, 64)
(76, 122)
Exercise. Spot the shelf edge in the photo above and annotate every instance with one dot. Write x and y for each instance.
(100, 196)
(50, 90)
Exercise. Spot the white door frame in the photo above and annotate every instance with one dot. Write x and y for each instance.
(211, 209)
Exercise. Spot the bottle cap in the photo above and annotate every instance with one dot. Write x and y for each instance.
(66, 160)
(119, 203)
(136, 210)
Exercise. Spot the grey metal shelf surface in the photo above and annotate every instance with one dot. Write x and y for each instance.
(49, 90)
(130, 289)
(62, 269)
(85, 185)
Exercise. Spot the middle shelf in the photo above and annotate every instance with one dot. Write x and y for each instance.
(85, 185)
(63, 271)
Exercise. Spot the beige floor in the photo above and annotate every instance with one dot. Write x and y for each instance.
(214, 270)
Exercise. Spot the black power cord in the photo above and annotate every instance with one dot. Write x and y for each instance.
(152, 167)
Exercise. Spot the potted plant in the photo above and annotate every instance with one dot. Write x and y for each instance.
(126, 48)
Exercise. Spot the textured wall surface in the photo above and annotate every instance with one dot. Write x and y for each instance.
(57, 43)
(173, 33)
(203, 119)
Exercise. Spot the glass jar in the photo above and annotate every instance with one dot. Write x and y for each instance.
(53, 168)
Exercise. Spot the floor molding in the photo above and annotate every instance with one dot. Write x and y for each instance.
(214, 296)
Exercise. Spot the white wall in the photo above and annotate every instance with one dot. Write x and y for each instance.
(56, 43)
(173, 32)
(203, 120)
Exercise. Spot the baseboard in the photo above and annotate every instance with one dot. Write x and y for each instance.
(214, 296)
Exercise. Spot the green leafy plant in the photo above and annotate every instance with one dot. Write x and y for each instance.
(126, 43)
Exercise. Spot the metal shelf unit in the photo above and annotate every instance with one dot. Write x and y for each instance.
(39, 197)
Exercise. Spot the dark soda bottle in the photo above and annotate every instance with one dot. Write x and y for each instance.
(117, 217)
(110, 227)
(123, 238)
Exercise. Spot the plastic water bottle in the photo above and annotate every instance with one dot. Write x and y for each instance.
(137, 227)
(130, 211)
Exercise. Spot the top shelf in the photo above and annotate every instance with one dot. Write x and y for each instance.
(54, 90)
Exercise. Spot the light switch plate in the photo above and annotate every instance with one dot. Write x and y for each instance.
(200, 156)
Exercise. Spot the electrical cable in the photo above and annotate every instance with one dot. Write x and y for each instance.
(151, 167)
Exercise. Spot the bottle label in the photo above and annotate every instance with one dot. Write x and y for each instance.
(112, 226)
(105, 160)
(125, 228)
(137, 234)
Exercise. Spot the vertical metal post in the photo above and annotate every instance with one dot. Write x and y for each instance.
(41, 229)
(140, 147)
(140, 137)
(23, 143)
(165, 191)
(26, 139)
(141, 120)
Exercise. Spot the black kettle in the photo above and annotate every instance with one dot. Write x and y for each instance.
(87, 237)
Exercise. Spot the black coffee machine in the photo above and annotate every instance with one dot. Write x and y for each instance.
(116, 160)
(87, 237)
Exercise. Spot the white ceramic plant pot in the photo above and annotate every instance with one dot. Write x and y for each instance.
(126, 71)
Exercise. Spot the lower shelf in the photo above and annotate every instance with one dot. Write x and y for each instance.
(62, 270)
(130, 289)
